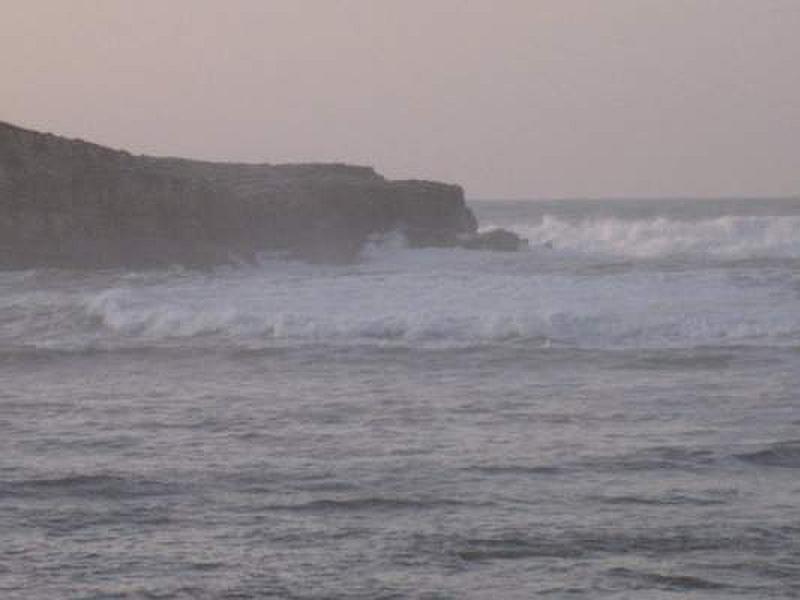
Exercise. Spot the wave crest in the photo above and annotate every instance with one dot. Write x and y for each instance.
(728, 237)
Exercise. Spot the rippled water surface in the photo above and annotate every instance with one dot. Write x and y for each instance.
(611, 414)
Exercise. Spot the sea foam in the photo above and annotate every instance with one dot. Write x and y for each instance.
(727, 237)
(570, 289)
(454, 297)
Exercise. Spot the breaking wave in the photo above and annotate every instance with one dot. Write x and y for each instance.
(549, 296)
(258, 309)
(727, 237)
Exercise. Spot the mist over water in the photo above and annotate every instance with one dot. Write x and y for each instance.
(611, 413)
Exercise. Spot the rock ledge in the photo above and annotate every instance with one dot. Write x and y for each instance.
(70, 203)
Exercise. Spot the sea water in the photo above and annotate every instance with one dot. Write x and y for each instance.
(612, 413)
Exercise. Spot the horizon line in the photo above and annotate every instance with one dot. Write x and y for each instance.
(629, 198)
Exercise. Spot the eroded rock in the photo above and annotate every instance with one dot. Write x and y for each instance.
(69, 203)
(500, 240)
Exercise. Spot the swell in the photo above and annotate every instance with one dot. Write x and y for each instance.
(780, 454)
(370, 504)
(100, 486)
(671, 582)
(646, 459)
(586, 543)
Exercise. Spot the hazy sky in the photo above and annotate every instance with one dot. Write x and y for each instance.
(536, 98)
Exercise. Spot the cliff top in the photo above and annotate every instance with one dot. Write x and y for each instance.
(46, 145)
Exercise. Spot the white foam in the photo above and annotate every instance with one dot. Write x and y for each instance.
(446, 297)
(733, 237)
(450, 304)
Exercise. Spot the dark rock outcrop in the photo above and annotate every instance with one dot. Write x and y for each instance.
(501, 240)
(69, 203)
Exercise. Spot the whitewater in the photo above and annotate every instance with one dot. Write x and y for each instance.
(609, 413)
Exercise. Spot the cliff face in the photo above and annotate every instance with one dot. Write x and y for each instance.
(69, 203)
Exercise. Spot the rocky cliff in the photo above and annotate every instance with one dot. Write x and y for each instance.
(69, 203)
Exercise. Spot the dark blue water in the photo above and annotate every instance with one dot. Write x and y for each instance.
(612, 414)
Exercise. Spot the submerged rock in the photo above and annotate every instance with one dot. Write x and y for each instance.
(69, 203)
(501, 240)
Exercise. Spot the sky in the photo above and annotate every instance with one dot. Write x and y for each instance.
(510, 99)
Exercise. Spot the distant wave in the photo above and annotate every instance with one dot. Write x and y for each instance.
(727, 237)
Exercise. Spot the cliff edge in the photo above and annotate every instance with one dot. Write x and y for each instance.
(70, 203)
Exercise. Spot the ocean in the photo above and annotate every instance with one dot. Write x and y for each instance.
(612, 413)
